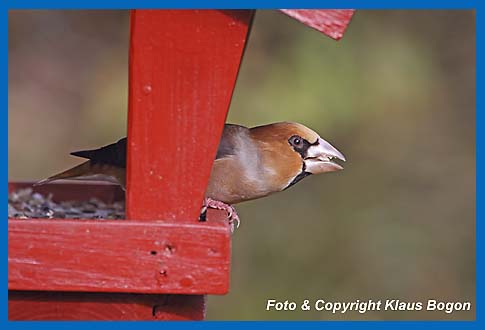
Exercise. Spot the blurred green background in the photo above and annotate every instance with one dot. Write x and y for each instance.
(396, 95)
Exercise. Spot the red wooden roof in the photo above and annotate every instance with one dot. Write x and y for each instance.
(331, 22)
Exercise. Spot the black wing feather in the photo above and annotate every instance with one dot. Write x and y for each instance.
(112, 154)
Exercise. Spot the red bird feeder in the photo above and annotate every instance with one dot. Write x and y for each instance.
(160, 262)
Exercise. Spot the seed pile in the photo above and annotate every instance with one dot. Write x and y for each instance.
(26, 204)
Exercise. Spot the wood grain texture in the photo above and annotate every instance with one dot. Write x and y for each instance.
(120, 255)
(332, 22)
(25, 305)
(183, 69)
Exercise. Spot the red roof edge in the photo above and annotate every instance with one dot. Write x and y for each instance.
(332, 22)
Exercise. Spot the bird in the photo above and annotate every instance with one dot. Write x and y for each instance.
(250, 163)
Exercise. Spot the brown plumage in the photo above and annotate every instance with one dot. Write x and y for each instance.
(250, 162)
(263, 161)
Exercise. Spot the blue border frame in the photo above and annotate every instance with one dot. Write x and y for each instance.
(261, 4)
(367, 4)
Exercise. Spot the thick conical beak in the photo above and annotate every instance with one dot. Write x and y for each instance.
(320, 157)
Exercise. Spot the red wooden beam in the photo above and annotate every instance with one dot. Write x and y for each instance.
(183, 69)
(332, 22)
(25, 305)
(119, 256)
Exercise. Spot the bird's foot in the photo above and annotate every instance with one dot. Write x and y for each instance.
(231, 211)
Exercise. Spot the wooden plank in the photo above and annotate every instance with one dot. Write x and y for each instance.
(120, 255)
(101, 306)
(332, 22)
(183, 68)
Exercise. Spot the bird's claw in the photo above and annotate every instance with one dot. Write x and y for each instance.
(231, 211)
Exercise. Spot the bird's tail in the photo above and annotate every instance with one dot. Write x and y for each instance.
(74, 172)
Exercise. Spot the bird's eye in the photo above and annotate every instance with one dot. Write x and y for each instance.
(295, 141)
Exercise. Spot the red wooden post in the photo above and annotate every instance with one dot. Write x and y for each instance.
(183, 69)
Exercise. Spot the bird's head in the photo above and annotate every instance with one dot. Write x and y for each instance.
(295, 151)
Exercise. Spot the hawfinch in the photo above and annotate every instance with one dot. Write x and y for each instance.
(250, 163)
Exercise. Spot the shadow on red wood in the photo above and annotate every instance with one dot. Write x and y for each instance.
(25, 305)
